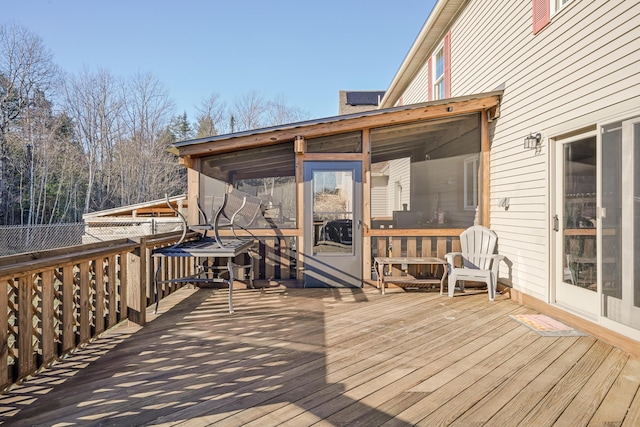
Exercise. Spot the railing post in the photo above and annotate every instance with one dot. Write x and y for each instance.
(48, 314)
(68, 309)
(124, 285)
(136, 284)
(26, 353)
(4, 335)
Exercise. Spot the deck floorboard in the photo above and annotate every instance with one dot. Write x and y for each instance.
(332, 357)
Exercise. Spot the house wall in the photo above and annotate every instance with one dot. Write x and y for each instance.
(399, 174)
(418, 88)
(444, 178)
(581, 68)
(379, 204)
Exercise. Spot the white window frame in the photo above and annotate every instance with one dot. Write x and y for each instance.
(558, 5)
(438, 82)
(471, 205)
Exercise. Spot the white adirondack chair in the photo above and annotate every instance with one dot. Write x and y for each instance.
(479, 263)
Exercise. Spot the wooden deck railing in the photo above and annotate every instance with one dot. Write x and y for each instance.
(56, 301)
(401, 244)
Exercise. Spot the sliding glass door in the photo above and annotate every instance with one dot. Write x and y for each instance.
(597, 223)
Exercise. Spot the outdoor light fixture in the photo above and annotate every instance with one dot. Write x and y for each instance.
(299, 145)
(533, 141)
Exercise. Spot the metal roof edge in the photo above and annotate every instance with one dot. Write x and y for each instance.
(333, 119)
(97, 214)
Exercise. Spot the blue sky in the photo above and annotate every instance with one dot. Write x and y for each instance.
(304, 51)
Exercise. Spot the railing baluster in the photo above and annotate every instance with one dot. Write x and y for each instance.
(100, 295)
(26, 353)
(48, 317)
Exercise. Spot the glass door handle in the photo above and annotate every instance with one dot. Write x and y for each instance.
(556, 223)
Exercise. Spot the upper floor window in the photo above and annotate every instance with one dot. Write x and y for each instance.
(543, 10)
(556, 5)
(439, 70)
(438, 74)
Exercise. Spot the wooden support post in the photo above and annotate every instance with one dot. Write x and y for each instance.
(85, 303)
(100, 296)
(193, 191)
(68, 309)
(300, 215)
(112, 291)
(485, 168)
(26, 353)
(123, 281)
(366, 204)
(136, 284)
(48, 333)
(4, 335)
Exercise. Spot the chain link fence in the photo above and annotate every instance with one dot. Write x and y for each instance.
(110, 229)
(19, 239)
(23, 239)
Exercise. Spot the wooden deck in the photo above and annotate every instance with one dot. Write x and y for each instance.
(301, 357)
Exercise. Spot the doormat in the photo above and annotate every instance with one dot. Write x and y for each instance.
(546, 326)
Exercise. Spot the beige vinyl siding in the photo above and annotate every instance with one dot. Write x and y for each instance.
(379, 196)
(418, 90)
(584, 63)
(399, 173)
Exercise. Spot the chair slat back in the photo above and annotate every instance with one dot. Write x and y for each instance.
(241, 209)
(477, 243)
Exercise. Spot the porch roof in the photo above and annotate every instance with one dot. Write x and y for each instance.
(338, 124)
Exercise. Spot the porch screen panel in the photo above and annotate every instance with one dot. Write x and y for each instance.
(264, 172)
(426, 174)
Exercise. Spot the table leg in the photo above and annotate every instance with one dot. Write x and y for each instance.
(445, 266)
(231, 279)
(156, 277)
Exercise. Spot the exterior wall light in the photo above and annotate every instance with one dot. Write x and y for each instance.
(533, 141)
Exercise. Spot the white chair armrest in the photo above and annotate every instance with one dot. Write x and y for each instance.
(495, 263)
(450, 257)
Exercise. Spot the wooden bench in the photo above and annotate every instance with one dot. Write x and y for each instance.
(380, 262)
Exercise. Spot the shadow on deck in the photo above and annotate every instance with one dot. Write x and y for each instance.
(335, 357)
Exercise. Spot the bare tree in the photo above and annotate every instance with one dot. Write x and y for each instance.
(146, 169)
(249, 110)
(278, 112)
(94, 102)
(26, 67)
(252, 111)
(212, 116)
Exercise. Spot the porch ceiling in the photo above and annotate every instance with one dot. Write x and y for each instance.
(441, 109)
